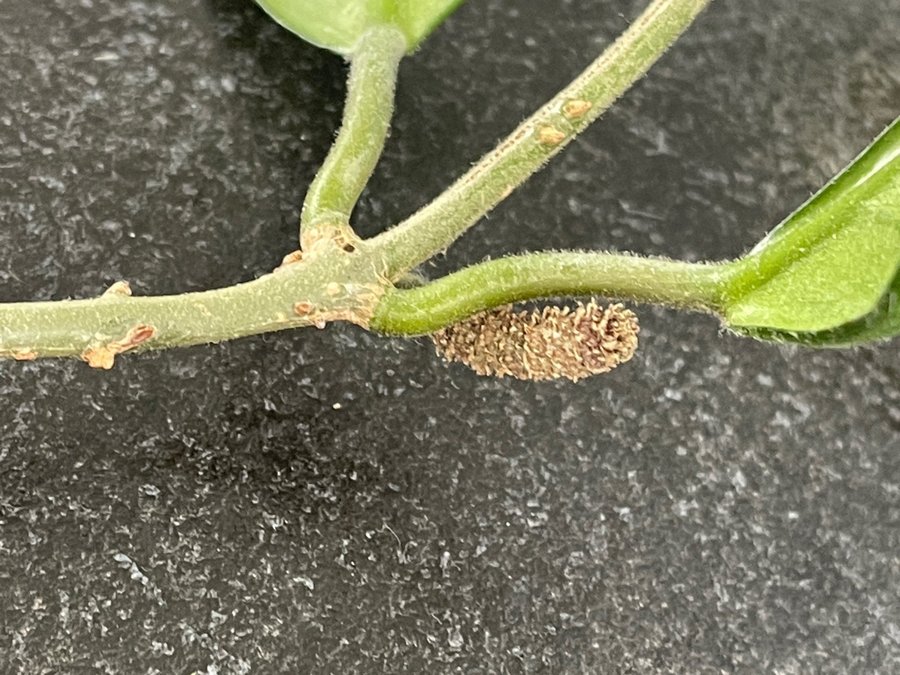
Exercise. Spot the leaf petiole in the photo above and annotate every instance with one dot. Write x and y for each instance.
(360, 141)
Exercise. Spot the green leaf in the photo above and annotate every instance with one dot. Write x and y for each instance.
(338, 24)
(828, 274)
(881, 323)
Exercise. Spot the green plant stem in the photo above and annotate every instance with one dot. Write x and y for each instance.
(367, 114)
(540, 137)
(338, 282)
(270, 303)
(67, 327)
(543, 275)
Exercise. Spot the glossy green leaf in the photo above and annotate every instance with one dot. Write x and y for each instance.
(827, 274)
(338, 24)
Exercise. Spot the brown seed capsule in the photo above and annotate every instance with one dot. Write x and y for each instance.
(547, 344)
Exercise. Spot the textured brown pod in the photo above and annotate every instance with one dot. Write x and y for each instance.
(547, 344)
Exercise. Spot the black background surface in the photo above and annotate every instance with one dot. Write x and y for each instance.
(328, 501)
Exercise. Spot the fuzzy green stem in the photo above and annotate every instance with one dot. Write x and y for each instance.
(339, 282)
(540, 137)
(67, 327)
(296, 295)
(543, 275)
(367, 114)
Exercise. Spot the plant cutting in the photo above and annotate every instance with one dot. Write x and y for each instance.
(827, 276)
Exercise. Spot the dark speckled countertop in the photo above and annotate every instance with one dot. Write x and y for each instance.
(331, 502)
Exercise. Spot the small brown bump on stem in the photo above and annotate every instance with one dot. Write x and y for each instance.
(136, 336)
(304, 308)
(576, 109)
(118, 289)
(24, 355)
(325, 235)
(291, 258)
(99, 357)
(542, 345)
(550, 136)
(104, 355)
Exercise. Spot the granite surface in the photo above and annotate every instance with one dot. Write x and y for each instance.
(329, 501)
